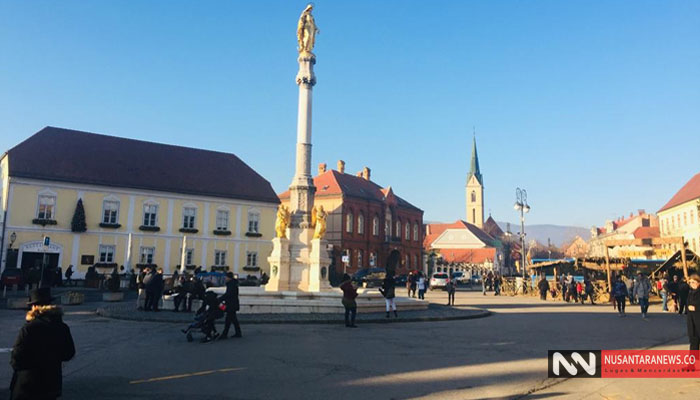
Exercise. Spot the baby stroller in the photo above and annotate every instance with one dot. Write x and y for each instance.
(205, 317)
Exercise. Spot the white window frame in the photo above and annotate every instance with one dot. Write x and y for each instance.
(407, 231)
(415, 231)
(106, 253)
(253, 221)
(150, 209)
(189, 256)
(107, 219)
(251, 259)
(360, 224)
(222, 215)
(375, 226)
(46, 194)
(398, 229)
(359, 258)
(145, 252)
(189, 217)
(349, 222)
(220, 258)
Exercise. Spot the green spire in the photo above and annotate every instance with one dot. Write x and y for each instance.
(474, 170)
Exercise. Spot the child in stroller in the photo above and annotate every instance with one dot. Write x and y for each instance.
(205, 317)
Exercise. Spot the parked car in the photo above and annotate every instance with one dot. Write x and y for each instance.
(438, 280)
(11, 276)
(460, 278)
(400, 280)
(369, 277)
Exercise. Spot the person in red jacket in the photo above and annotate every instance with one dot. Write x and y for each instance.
(349, 295)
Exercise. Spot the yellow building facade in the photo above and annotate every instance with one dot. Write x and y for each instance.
(681, 216)
(133, 227)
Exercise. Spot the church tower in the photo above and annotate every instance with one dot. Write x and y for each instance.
(475, 191)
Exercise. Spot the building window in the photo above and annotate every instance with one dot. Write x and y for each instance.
(253, 222)
(407, 231)
(473, 196)
(408, 261)
(106, 253)
(47, 207)
(415, 262)
(219, 257)
(188, 216)
(361, 224)
(110, 212)
(415, 231)
(375, 226)
(147, 254)
(251, 259)
(150, 214)
(348, 222)
(397, 232)
(359, 258)
(372, 259)
(189, 256)
(387, 230)
(222, 220)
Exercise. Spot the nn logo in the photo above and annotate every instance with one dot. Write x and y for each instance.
(574, 363)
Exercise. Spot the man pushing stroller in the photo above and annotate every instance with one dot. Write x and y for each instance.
(205, 319)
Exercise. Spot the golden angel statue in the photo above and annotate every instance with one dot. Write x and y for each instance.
(318, 221)
(282, 221)
(306, 30)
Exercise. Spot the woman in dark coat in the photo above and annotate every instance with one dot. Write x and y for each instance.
(388, 291)
(349, 296)
(693, 317)
(43, 343)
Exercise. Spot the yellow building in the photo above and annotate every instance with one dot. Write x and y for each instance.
(139, 200)
(681, 215)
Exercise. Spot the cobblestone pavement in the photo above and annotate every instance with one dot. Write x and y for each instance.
(502, 356)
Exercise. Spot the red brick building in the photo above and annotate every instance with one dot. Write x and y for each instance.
(366, 222)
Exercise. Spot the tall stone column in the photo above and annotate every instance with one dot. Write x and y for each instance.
(302, 188)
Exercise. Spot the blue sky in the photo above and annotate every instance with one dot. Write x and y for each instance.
(593, 107)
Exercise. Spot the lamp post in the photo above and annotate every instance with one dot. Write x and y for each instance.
(522, 206)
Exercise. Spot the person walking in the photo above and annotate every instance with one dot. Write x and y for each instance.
(179, 294)
(563, 285)
(641, 290)
(630, 289)
(141, 300)
(421, 286)
(543, 286)
(619, 292)
(683, 292)
(349, 302)
(69, 274)
(232, 306)
(149, 288)
(497, 282)
(388, 291)
(483, 284)
(693, 318)
(43, 343)
(588, 288)
(664, 293)
(450, 289)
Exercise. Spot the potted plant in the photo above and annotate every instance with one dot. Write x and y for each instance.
(113, 284)
(72, 298)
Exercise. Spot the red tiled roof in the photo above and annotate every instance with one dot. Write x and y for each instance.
(476, 256)
(437, 229)
(333, 182)
(689, 191)
(647, 232)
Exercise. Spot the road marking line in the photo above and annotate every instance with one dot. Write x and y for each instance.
(5, 349)
(180, 376)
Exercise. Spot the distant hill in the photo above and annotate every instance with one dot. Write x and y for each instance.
(556, 233)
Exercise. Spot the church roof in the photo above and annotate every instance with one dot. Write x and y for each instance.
(491, 227)
(64, 155)
(333, 182)
(689, 191)
(433, 231)
(474, 167)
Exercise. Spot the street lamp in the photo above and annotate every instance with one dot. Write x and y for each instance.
(522, 206)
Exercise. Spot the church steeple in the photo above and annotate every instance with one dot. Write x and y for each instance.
(474, 170)
(475, 191)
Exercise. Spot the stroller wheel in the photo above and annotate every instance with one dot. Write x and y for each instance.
(189, 337)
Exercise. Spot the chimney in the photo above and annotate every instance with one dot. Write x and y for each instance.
(321, 168)
(366, 173)
(359, 174)
(341, 166)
